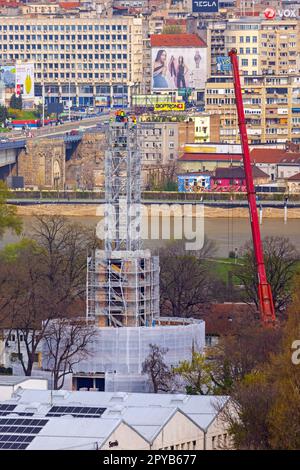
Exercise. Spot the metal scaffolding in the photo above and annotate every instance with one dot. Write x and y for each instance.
(123, 279)
(122, 188)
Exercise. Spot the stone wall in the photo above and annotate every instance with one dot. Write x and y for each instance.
(85, 169)
(42, 163)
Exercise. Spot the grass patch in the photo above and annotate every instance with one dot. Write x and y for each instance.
(21, 114)
(221, 267)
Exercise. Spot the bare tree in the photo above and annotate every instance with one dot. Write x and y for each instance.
(66, 343)
(159, 373)
(280, 259)
(185, 280)
(46, 281)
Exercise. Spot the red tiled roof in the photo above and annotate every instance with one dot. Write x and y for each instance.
(268, 155)
(176, 40)
(291, 158)
(69, 5)
(226, 157)
(224, 319)
(10, 4)
(260, 155)
(294, 177)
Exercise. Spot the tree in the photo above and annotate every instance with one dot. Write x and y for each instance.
(184, 278)
(247, 418)
(266, 402)
(16, 101)
(3, 114)
(280, 259)
(242, 352)
(196, 375)
(46, 281)
(66, 344)
(159, 373)
(8, 213)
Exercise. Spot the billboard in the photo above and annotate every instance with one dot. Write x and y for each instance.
(193, 183)
(25, 79)
(205, 6)
(178, 67)
(8, 75)
(102, 101)
(169, 107)
(149, 100)
(223, 64)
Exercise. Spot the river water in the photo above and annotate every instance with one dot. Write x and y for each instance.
(227, 233)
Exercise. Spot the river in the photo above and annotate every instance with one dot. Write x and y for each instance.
(227, 233)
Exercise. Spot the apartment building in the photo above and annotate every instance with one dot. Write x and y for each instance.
(161, 145)
(243, 34)
(271, 103)
(95, 56)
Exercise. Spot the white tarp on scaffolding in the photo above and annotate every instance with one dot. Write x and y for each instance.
(120, 352)
(123, 350)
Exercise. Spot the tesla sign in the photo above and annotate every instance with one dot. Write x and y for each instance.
(205, 6)
(271, 13)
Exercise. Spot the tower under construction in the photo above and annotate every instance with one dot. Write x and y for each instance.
(122, 279)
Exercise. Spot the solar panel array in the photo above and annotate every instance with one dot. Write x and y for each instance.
(76, 411)
(18, 433)
(8, 409)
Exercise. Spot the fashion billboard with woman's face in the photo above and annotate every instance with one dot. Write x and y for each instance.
(178, 67)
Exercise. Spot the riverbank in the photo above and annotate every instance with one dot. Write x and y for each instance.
(96, 210)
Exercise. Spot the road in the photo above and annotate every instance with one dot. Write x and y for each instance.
(61, 129)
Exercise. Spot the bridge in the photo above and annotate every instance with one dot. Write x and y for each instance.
(9, 150)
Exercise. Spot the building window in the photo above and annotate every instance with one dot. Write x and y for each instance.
(213, 442)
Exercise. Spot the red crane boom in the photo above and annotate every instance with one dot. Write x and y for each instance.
(266, 304)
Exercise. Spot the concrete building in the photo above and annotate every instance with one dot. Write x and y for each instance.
(97, 56)
(207, 128)
(271, 104)
(293, 184)
(91, 421)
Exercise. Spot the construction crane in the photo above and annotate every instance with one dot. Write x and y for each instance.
(266, 304)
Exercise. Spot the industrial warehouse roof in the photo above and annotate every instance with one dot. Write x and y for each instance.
(70, 433)
(190, 157)
(176, 40)
(64, 422)
(10, 380)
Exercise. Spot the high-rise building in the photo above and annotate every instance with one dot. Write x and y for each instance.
(78, 57)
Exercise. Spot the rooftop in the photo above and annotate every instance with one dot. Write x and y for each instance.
(239, 172)
(35, 419)
(176, 40)
(190, 157)
(295, 177)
